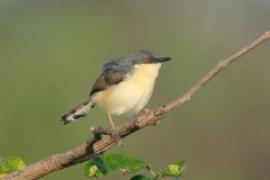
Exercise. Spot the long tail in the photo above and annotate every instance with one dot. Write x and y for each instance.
(78, 112)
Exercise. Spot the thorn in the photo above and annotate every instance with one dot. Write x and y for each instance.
(267, 34)
(93, 129)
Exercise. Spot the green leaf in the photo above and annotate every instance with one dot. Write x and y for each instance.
(174, 170)
(141, 177)
(104, 164)
(10, 164)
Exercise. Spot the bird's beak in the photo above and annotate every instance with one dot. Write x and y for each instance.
(160, 59)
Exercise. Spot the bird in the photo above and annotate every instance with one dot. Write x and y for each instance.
(124, 86)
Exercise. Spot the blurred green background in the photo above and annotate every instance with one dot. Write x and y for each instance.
(51, 51)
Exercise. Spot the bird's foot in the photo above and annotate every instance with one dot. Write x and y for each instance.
(116, 137)
(113, 133)
(146, 110)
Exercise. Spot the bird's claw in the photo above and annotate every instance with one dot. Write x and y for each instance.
(116, 137)
(113, 133)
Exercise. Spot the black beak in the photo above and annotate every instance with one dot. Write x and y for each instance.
(160, 59)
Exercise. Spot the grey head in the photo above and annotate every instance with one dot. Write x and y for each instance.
(145, 57)
(126, 64)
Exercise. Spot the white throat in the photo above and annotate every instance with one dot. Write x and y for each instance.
(150, 70)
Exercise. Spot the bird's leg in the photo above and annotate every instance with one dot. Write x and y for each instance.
(146, 110)
(111, 120)
(115, 134)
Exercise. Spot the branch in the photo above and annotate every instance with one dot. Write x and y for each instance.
(102, 142)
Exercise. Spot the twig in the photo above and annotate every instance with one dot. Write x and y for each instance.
(100, 144)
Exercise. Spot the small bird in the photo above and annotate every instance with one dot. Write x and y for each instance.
(124, 86)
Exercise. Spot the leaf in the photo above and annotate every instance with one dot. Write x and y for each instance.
(174, 170)
(10, 164)
(141, 177)
(104, 164)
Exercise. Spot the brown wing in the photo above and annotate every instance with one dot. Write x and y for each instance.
(106, 79)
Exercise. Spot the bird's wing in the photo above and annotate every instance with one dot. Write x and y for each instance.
(112, 74)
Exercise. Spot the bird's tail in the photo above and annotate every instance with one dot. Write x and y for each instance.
(78, 112)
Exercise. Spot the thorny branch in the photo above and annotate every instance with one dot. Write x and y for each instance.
(102, 142)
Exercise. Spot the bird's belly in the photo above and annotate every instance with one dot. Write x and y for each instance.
(125, 98)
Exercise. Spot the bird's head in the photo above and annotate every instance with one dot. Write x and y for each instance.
(146, 57)
(140, 58)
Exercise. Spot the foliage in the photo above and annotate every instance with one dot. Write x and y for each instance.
(10, 164)
(174, 170)
(142, 177)
(102, 165)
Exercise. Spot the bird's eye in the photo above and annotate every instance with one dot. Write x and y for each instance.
(146, 60)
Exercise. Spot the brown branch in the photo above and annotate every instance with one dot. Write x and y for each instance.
(101, 143)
